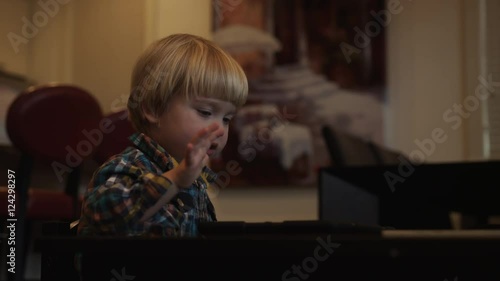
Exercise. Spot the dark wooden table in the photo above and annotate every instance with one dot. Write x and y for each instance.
(393, 255)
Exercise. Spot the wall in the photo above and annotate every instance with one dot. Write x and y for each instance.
(94, 43)
(431, 54)
(431, 58)
(110, 35)
(51, 50)
(473, 126)
(425, 74)
(108, 39)
(432, 66)
(11, 14)
(187, 16)
(266, 203)
(44, 53)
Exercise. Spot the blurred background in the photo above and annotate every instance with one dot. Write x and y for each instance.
(426, 61)
(389, 72)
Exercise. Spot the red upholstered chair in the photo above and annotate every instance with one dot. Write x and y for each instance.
(116, 137)
(50, 124)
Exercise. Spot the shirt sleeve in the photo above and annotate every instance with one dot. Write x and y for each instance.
(121, 194)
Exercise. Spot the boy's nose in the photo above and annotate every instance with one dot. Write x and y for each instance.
(220, 132)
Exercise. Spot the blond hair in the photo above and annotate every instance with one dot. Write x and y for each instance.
(183, 64)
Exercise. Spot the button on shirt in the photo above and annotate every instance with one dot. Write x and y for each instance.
(128, 184)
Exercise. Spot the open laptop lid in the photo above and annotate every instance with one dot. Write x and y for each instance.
(341, 201)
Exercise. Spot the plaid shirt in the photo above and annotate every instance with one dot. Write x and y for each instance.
(128, 184)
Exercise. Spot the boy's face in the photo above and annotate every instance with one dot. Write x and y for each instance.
(185, 118)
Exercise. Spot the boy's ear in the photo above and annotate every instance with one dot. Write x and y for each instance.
(149, 116)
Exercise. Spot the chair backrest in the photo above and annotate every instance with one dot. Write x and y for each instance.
(349, 150)
(116, 138)
(390, 156)
(49, 121)
(53, 123)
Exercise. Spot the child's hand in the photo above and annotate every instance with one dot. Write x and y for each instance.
(195, 157)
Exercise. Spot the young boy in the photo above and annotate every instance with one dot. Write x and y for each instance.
(185, 90)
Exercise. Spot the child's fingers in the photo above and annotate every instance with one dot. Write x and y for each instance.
(205, 161)
(216, 134)
(189, 155)
(213, 127)
(205, 133)
(196, 152)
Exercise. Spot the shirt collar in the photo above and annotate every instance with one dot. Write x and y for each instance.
(161, 157)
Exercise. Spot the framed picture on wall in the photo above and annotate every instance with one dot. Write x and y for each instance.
(341, 39)
(321, 61)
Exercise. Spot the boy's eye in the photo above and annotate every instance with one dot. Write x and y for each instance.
(227, 120)
(204, 113)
